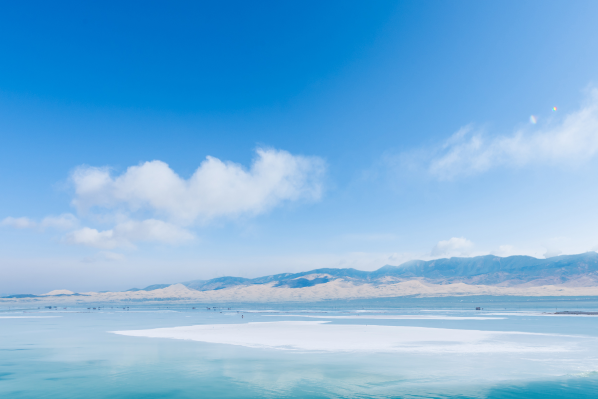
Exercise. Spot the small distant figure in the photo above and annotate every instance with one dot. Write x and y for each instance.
(241, 316)
(478, 308)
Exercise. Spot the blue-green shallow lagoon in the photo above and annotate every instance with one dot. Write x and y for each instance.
(74, 355)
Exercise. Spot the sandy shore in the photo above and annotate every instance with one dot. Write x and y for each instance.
(338, 289)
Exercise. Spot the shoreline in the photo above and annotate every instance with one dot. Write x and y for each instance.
(331, 291)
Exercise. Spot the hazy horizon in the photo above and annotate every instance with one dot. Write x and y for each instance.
(155, 283)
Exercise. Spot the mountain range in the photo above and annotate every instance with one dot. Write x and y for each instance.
(488, 275)
(571, 270)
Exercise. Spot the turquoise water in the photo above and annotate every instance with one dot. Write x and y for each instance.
(74, 354)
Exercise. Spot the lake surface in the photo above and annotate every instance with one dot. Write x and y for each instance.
(401, 347)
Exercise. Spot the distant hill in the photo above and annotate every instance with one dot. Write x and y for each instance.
(579, 269)
(480, 275)
(491, 270)
(151, 287)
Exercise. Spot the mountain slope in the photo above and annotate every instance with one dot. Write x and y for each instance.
(568, 275)
(487, 270)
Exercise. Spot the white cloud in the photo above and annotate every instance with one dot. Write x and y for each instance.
(111, 256)
(66, 221)
(19, 223)
(456, 246)
(556, 246)
(104, 256)
(215, 189)
(550, 253)
(124, 234)
(505, 250)
(94, 238)
(469, 151)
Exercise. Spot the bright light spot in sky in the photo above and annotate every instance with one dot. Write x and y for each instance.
(533, 119)
(554, 108)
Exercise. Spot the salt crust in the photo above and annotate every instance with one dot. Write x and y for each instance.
(325, 337)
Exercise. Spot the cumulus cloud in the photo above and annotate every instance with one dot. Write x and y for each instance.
(456, 246)
(124, 234)
(19, 223)
(216, 188)
(151, 203)
(472, 151)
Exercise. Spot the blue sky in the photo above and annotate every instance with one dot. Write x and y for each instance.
(145, 142)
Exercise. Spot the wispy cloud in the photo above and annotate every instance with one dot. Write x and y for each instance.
(123, 235)
(19, 223)
(456, 246)
(571, 140)
(66, 221)
(504, 250)
(106, 256)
